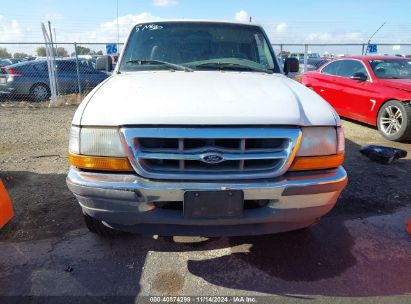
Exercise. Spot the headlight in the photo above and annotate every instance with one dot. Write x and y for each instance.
(318, 141)
(97, 149)
(74, 143)
(320, 148)
(101, 142)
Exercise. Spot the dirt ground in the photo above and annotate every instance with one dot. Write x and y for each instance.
(33, 166)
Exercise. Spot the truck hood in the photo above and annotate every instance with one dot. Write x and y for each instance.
(402, 84)
(203, 98)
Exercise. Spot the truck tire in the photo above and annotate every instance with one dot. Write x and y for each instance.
(394, 120)
(98, 227)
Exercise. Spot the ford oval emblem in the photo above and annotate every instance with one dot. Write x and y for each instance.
(212, 158)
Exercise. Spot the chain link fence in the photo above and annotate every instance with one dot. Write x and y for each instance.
(312, 56)
(24, 70)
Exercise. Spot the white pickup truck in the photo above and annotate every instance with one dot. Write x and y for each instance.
(199, 132)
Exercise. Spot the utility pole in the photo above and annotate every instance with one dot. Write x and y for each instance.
(55, 38)
(50, 65)
(51, 35)
(51, 41)
(54, 57)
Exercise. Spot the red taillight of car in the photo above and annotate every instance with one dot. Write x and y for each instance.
(13, 72)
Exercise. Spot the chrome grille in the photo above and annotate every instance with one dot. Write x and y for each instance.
(183, 153)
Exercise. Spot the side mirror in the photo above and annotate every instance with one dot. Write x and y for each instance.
(104, 63)
(291, 65)
(359, 76)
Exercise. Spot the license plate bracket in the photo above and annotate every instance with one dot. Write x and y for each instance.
(213, 204)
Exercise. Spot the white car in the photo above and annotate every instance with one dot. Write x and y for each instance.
(198, 132)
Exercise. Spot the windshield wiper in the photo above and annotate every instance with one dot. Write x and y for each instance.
(230, 66)
(159, 62)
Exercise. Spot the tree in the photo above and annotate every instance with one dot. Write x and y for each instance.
(20, 55)
(41, 51)
(61, 52)
(4, 53)
(81, 50)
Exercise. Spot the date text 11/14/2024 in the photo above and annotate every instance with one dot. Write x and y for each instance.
(203, 299)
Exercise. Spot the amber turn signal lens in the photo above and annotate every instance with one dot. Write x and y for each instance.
(100, 163)
(317, 162)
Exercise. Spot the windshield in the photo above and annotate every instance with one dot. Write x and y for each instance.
(392, 68)
(198, 46)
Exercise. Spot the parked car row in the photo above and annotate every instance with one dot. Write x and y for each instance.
(310, 57)
(31, 78)
(10, 61)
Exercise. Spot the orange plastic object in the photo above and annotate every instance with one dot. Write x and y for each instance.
(100, 163)
(6, 209)
(317, 162)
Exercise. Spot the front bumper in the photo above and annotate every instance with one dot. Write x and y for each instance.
(125, 202)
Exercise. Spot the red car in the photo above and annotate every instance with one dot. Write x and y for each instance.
(372, 89)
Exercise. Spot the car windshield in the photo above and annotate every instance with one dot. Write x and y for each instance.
(202, 46)
(392, 68)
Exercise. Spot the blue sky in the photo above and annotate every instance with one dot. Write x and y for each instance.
(294, 21)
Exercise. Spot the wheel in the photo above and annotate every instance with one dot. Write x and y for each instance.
(40, 92)
(394, 120)
(98, 227)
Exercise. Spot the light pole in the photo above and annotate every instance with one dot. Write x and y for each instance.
(369, 40)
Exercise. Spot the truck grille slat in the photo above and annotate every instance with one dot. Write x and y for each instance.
(227, 156)
(181, 150)
(181, 153)
(242, 150)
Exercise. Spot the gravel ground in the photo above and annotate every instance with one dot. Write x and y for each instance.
(359, 252)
